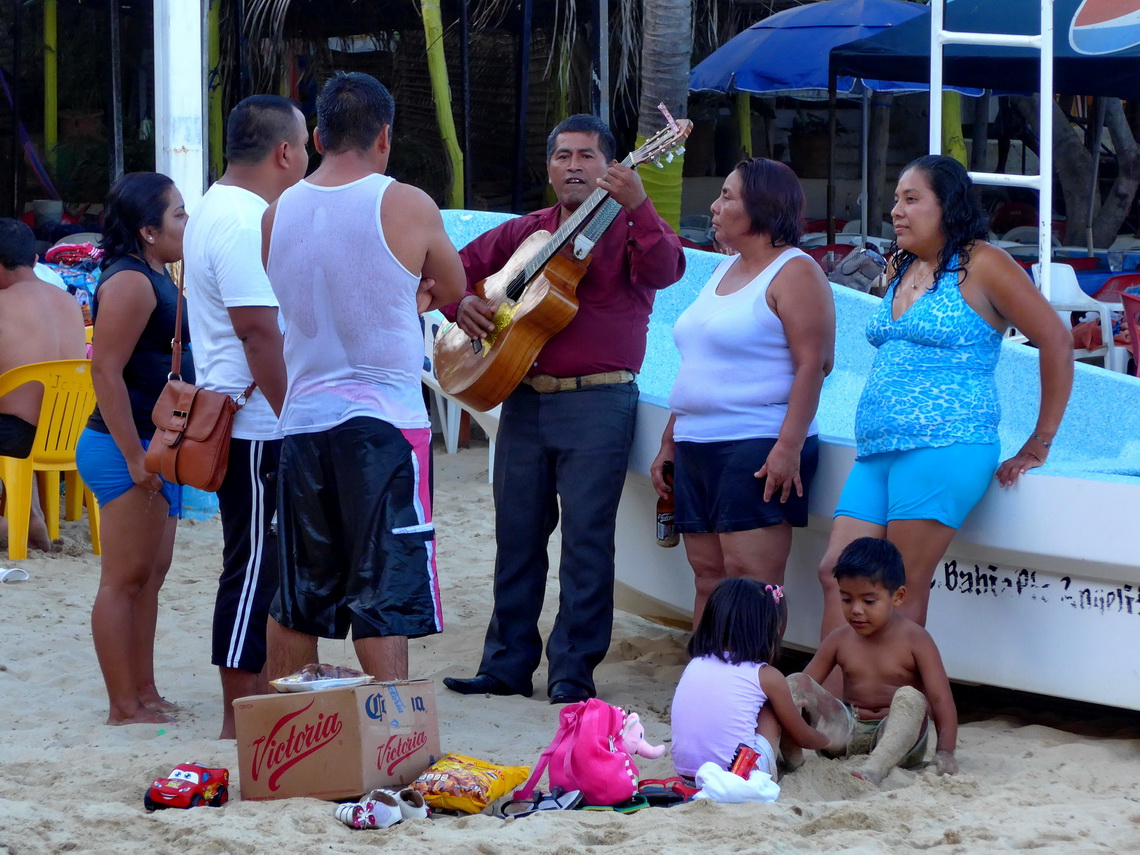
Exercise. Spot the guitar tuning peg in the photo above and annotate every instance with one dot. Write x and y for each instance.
(669, 157)
(681, 150)
(659, 164)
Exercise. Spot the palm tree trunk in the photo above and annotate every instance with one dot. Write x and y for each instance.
(441, 92)
(666, 42)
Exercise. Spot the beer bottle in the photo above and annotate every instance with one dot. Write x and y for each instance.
(666, 533)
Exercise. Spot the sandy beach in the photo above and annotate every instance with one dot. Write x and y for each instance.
(1054, 779)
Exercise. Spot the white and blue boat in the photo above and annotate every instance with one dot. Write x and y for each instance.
(1040, 590)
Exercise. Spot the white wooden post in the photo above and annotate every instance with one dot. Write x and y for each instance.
(180, 94)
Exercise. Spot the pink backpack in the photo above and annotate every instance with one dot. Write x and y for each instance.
(587, 754)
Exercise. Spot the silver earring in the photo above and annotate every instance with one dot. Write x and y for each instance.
(150, 239)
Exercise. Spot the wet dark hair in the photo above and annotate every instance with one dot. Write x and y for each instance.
(257, 124)
(742, 622)
(584, 123)
(136, 200)
(964, 219)
(352, 110)
(17, 244)
(873, 558)
(773, 198)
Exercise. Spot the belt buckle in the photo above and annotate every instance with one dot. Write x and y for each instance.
(545, 384)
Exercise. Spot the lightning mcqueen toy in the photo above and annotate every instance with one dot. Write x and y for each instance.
(189, 785)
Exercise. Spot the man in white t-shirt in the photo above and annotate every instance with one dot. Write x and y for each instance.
(237, 342)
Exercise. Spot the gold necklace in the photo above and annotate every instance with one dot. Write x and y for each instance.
(917, 279)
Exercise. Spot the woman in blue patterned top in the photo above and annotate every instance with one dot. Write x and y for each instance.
(926, 425)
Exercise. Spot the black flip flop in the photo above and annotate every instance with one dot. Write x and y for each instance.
(558, 799)
(659, 796)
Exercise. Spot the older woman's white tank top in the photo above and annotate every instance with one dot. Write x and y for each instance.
(353, 342)
(736, 370)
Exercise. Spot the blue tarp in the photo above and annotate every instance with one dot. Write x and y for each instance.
(1096, 47)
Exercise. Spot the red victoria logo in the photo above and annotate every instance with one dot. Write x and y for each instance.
(398, 749)
(280, 751)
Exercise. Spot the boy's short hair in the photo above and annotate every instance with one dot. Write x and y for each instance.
(17, 244)
(256, 125)
(352, 109)
(874, 558)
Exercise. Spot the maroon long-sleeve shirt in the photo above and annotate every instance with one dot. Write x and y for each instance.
(637, 256)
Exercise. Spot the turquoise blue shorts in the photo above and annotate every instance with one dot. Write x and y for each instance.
(941, 484)
(104, 469)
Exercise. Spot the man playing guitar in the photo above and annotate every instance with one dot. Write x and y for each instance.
(565, 432)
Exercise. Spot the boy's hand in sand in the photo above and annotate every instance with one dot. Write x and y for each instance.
(945, 763)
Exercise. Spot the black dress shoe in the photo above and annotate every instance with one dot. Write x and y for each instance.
(483, 684)
(565, 692)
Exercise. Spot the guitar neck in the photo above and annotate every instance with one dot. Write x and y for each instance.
(568, 229)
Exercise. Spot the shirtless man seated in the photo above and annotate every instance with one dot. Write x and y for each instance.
(38, 323)
(893, 678)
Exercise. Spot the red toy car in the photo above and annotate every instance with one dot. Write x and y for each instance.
(189, 785)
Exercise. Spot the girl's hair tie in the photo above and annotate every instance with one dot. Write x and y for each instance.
(777, 591)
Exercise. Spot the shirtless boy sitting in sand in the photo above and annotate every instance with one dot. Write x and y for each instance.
(38, 323)
(893, 679)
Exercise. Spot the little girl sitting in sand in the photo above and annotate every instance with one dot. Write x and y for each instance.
(729, 694)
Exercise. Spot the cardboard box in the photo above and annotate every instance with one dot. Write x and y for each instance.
(335, 744)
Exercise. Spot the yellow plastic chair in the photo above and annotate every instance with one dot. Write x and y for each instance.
(69, 398)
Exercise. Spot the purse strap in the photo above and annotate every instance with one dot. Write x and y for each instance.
(176, 342)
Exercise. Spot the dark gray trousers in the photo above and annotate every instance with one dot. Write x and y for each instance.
(568, 450)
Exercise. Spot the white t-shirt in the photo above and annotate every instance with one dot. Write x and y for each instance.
(222, 251)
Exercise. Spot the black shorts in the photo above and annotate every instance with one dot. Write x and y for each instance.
(247, 500)
(17, 437)
(715, 490)
(357, 543)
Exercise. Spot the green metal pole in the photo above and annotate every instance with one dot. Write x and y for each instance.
(953, 144)
(215, 120)
(744, 121)
(51, 82)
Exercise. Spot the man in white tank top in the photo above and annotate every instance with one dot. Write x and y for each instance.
(353, 257)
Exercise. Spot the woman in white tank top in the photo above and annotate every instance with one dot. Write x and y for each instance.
(755, 346)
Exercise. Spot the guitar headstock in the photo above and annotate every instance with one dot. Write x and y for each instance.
(663, 144)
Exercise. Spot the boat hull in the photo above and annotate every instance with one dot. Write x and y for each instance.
(1015, 603)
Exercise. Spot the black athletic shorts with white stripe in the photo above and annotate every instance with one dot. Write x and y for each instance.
(248, 503)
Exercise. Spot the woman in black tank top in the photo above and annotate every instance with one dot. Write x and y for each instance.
(134, 311)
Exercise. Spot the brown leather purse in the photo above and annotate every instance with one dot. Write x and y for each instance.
(191, 443)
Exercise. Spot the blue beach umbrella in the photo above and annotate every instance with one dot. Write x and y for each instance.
(787, 53)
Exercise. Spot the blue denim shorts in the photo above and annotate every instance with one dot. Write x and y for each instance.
(104, 469)
(941, 484)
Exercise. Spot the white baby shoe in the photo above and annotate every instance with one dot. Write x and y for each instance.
(412, 805)
(378, 809)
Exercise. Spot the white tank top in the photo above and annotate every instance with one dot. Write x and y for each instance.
(736, 370)
(353, 344)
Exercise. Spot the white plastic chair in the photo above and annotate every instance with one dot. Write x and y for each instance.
(1065, 295)
(448, 411)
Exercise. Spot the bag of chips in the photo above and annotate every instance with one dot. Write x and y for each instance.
(455, 782)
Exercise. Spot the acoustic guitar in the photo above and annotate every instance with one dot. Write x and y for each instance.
(535, 293)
